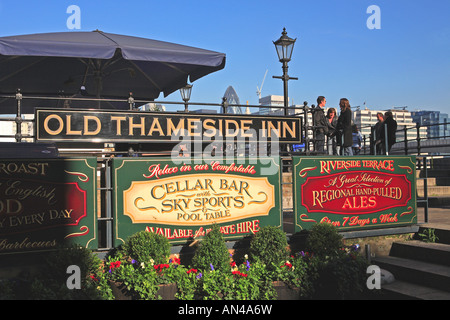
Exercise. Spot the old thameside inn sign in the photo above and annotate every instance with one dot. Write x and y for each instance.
(53, 125)
(355, 192)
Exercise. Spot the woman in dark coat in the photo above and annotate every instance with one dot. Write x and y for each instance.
(344, 126)
(332, 122)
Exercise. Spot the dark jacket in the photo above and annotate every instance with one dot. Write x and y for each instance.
(320, 120)
(377, 130)
(332, 126)
(344, 127)
(391, 125)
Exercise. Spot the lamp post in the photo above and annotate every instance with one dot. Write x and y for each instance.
(186, 95)
(284, 47)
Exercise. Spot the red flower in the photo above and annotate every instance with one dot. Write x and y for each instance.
(233, 264)
(176, 260)
(192, 270)
(237, 272)
(287, 264)
(114, 265)
(93, 278)
(160, 267)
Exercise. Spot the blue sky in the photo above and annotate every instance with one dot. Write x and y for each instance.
(405, 63)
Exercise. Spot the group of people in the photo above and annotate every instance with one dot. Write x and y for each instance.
(384, 132)
(343, 136)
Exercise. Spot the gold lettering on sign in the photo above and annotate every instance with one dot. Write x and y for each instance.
(198, 199)
(86, 126)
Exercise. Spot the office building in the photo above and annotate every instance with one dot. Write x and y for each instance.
(232, 98)
(435, 121)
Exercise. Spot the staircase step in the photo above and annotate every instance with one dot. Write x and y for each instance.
(430, 182)
(437, 253)
(434, 173)
(415, 271)
(434, 191)
(440, 230)
(440, 163)
(406, 290)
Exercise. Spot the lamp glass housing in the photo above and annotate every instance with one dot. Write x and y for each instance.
(284, 47)
(186, 92)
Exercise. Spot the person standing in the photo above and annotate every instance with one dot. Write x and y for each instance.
(332, 122)
(320, 122)
(377, 132)
(357, 140)
(344, 126)
(389, 128)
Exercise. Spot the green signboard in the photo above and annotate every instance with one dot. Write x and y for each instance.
(47, 202)
(182, 201)
(355, 193)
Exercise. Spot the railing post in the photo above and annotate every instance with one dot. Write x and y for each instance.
(418, 138)
(305, 112)
(386, 141)
(131, 101)
(364, 141)
(313, 111)
(373, 141)
(224, 105)
(425, 189)
(406, 140)
(18, 116)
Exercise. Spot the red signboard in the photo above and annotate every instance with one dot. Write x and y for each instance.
(359, 191)
(354, 192)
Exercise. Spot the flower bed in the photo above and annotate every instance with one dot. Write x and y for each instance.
(303, 276)
(269, 270)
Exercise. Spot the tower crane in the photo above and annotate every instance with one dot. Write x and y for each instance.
(258, 90)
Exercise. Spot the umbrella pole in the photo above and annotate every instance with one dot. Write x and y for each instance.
(98, 82)
(18, 116)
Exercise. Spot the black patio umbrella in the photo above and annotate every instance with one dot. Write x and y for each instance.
(99, 65)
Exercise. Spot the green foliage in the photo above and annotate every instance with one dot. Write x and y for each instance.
(269, 246)
(331, 274)
(141, 282)
(428, 236)
(51, 281)
(144, 246)
(254, 282)
(341, 276)
(212, 252)
(244, 282)
(294, 272)
(323, 240)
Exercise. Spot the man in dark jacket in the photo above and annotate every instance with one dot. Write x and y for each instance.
(389, 127)
(377, 128)
(321, 122)
(344, 127)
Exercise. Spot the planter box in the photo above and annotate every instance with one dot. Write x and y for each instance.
(120, 292)
(167, 291)
(286, 292)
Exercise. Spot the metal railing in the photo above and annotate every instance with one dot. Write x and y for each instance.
(104, 155)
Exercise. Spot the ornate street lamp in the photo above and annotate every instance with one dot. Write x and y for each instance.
(186, 95)
(284, 47)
